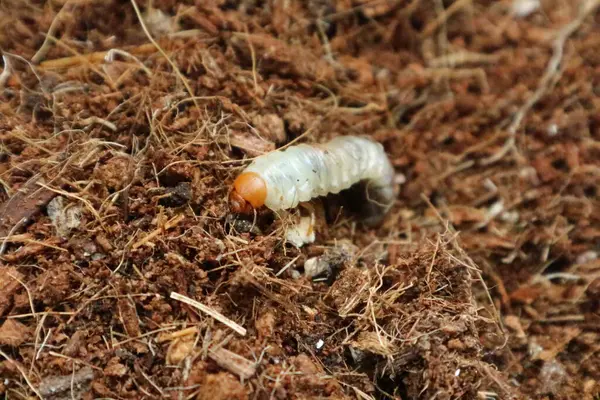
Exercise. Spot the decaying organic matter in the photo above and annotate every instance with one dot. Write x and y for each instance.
(124, 274)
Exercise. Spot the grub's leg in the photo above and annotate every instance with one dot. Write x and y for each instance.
(316, 207)
(302, 229)
(308, 206)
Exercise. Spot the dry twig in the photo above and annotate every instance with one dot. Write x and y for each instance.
(233, 362)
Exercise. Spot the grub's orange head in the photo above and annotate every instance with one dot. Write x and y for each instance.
(249, 191)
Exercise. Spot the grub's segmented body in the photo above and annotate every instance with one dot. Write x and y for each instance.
(303, 172)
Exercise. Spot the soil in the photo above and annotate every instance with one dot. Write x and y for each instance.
(125, 275)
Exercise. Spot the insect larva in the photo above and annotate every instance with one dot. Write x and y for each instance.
(282, 179)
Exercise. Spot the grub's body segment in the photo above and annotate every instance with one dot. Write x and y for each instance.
(303, 172)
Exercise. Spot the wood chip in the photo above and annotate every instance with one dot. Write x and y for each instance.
(252, 145)
(233, 362)
(53, 385)
(129, 317)
(14, 333)
(23, 205)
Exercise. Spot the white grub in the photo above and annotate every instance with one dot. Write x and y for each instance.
(523, 8)
(303, 172)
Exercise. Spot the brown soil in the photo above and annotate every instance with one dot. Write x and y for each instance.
(115, 168)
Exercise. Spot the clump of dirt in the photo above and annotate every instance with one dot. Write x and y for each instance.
(124, 274)
(418, 327)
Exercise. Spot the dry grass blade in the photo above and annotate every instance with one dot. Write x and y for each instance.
(168, 225)
(209, 311)
(176, 335)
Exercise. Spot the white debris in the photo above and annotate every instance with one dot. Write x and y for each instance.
(531, 174)
(489, 185)
(64, 217)
(400, 179)
(552, 130)
(523, 8)
(586, 257)
(383, 74)
(315, 266)
(534, 349)
(552, 376)
(296, 274)
(330, 260)
(495, 209)
(158, 23)
(320, 344)
(510, 216)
